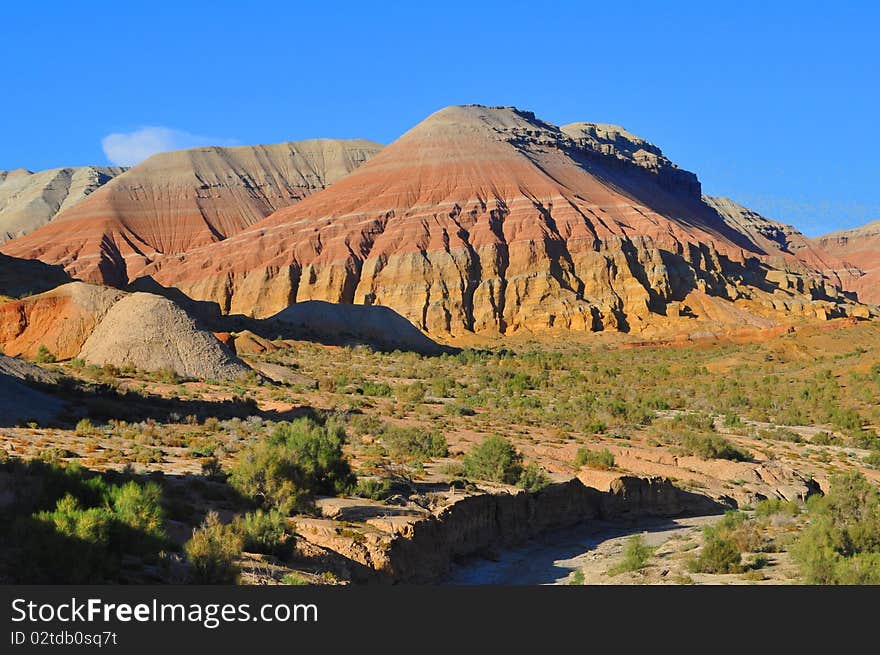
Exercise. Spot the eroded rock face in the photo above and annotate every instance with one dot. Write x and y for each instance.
(177, 201)
(30, 200)
(491, 221)
(420, 548)
(60, 319)
(787, 249)
(859, 247)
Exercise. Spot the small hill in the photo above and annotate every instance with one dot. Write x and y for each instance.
(60, 319)
(30, 200)
(379, 327)
(153, 333)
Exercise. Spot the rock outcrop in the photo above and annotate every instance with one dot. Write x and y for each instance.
(860, 248)
(787, 249)
(30, 200)
(176, 201)
(152, 333)
(491, 221)
(420, 548)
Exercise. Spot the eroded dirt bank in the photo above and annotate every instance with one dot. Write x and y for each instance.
(400, 546)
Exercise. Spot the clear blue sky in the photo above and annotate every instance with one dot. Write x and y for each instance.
(775, 104)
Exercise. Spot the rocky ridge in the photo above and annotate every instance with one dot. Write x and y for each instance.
(176, 201)
(29, 200)
(858, 247)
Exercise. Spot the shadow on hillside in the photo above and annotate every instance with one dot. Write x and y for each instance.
(683, 206)
(101, 403)
(334, 324)
(25, 277)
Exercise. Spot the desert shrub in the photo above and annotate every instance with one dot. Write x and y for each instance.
(411, 393)
(71, 526)
(719, 555)
(577, 578)
(602, 459)
(841, 543)
(375, 389)
(299, 460)
(373, 489)
(44, 356)
(496, 459)
(533, 478)
(413, 444)
(138, 507)
(263, 532)
(294, 579)
(725, 542)
(826, 439)
(458, 409)
(773, 506)
(84, 428)
(167, 375)
(712, 446)
(212, 552)
(635, 556)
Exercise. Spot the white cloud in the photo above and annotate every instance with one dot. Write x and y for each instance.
(130, 148)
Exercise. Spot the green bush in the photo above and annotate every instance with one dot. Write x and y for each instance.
(413, 444)
(263, 532)
(712, 446)
(373, 489)
(495, 459)
(841, 543)
(773, 506)
(299, 460)
(411, 393)
(719, 555)
(533, 478)
(636, 555)
(84, 428)
(212, 552)
(69, 526)
(602, 459)
(375, 389)
(44, 356)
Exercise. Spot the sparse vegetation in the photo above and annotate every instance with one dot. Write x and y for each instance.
(44, 355)
(299, 460)
(841, 543)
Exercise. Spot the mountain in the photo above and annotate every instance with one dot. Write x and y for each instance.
(175, 201)
(30, 200)
(491, 221)
(859, 247)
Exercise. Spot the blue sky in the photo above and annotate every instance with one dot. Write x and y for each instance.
(772, 103)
